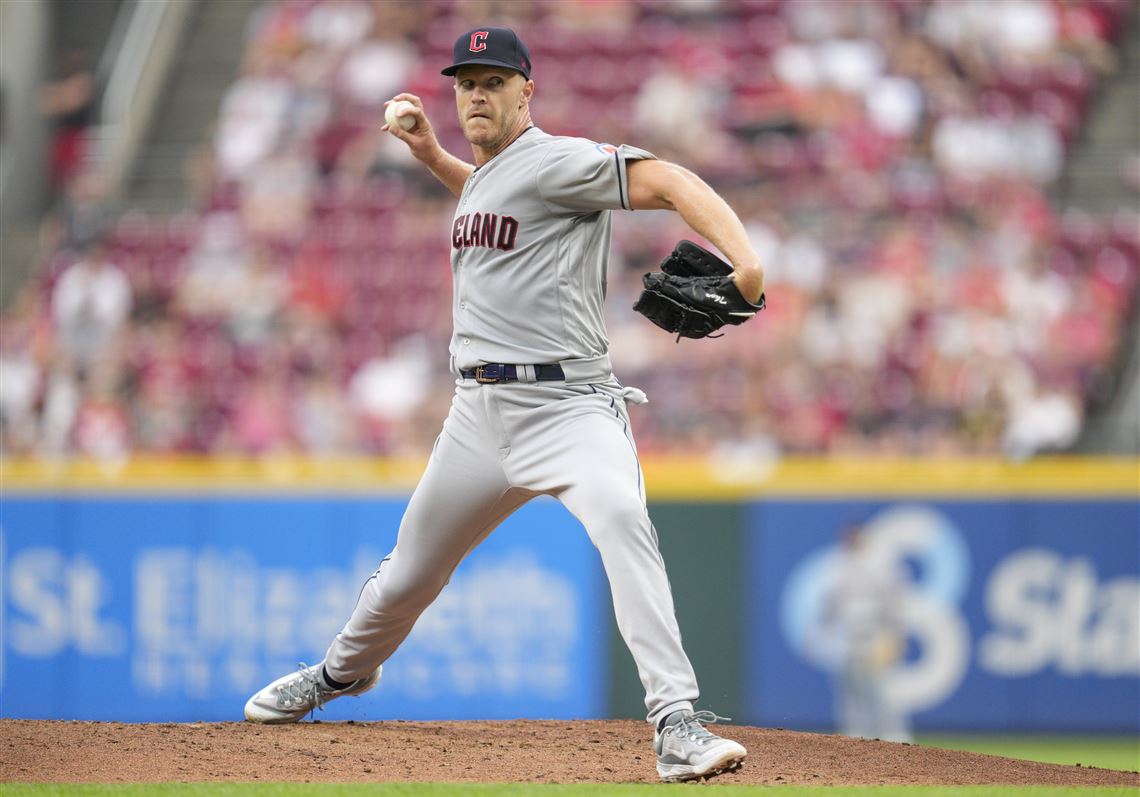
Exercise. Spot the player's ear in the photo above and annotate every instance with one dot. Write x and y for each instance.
(527, 92)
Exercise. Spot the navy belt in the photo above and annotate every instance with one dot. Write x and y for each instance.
(494, 373)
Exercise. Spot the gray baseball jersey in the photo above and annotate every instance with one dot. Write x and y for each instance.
(529, 247)
(530, 243)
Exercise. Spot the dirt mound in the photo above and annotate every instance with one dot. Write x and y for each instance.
(522, 751)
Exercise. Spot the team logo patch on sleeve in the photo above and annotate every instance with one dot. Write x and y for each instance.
(607, 149)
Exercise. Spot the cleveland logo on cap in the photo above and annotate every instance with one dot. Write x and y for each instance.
(491, 47)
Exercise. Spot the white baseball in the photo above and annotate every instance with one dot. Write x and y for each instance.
(398, 114)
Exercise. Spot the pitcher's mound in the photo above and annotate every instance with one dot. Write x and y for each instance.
(520, 751)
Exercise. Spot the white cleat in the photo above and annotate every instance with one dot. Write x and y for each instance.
(292, 696)
(686, 750)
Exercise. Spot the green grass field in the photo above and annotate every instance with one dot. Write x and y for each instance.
(537, 790)
(1107, 752)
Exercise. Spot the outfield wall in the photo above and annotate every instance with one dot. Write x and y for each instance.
(169, 591)
(177, 608)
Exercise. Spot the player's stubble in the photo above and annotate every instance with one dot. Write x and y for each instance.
(491, 117)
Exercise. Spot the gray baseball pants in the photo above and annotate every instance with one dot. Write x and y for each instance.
(502, 445)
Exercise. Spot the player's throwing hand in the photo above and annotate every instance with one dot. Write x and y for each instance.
(420, 138)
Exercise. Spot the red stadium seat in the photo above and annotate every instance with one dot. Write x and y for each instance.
(1124, 231)
(1061, 261)
(768, 33)
(1019, 79)
(1070, 77)
(1080, 233)
(1059, 111)
(999, 104)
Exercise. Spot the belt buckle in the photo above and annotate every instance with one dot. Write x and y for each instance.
(483, 379)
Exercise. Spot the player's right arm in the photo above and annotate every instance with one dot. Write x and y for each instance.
(421, 140)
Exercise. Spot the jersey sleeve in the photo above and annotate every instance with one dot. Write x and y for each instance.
(582, 176)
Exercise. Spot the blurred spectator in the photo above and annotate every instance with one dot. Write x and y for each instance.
(1019, 27)
(162, 416)
(161, 408)
(1130, 171)
(1088, 30)
(20, 384)
(890, 161)
(378, 68)
(1044, 421)
(213, 266)
(62, 399)
(253, 116)
(102, 422)
(974, 149)
(91, 304)
(323, 417)
(255, 299)
(1023, 27)
(69, 102)
(337, 25)
(386, 391)
(276, 194)
(588, 16)
(261, 418)
(314, 284)
(674, 105)
(80, 218)
(895, 105)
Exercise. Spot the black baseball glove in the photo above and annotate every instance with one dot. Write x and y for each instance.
(693, 294)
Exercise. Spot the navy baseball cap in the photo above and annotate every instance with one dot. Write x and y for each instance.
(492, 47)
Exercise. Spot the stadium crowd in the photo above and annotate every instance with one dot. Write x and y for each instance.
(891, 161)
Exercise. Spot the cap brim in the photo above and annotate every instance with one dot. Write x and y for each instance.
(451, 70)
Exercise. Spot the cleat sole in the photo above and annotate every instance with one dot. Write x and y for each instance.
(722, 768)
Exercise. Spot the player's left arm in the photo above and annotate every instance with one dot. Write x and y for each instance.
(660, 185)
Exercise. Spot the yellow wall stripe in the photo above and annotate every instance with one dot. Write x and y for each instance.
(667, 478)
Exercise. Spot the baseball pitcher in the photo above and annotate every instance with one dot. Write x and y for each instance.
(537, 409)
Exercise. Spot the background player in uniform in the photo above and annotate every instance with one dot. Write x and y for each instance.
(537, 409)
(864, 630)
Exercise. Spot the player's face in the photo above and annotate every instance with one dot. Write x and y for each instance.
(490, 101)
